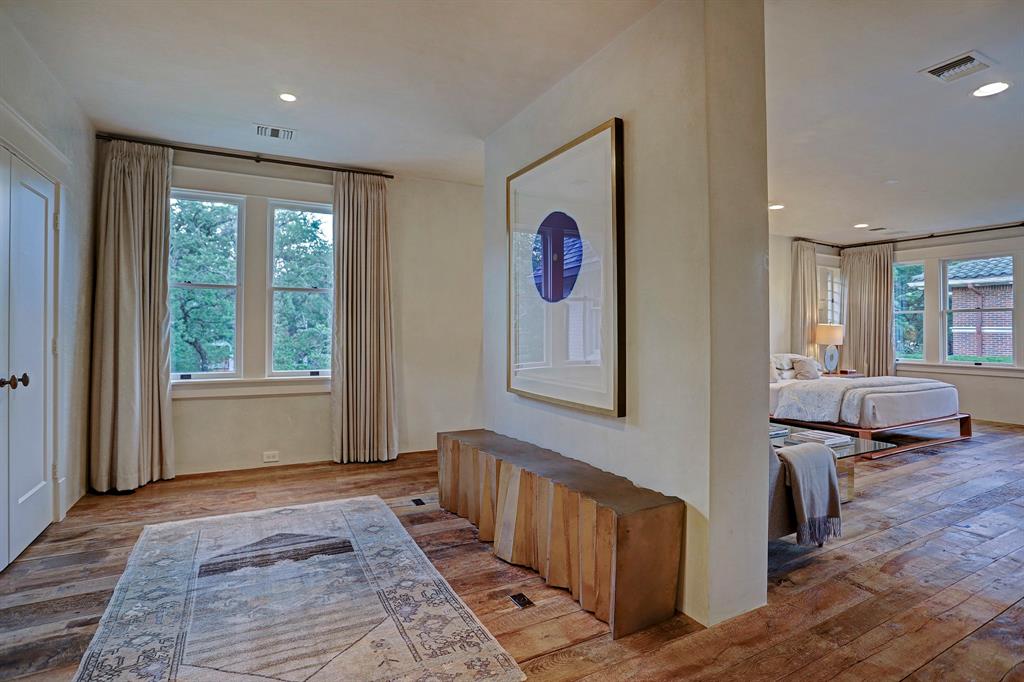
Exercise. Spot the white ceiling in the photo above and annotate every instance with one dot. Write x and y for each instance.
(415, 86)
(405, 85)
(848, 110)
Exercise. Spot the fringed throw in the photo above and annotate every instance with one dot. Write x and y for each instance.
(817, 531)
(814, 484)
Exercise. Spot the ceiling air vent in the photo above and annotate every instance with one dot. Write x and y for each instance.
(877, 229)
(958, 67)
(275, 132)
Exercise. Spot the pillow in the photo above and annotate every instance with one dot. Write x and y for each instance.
(784, 360)
(806, 369)
(787, 374)
(773, 374)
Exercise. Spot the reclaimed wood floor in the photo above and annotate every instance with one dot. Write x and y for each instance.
(927, 582)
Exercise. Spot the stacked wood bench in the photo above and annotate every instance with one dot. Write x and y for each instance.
(614, 545)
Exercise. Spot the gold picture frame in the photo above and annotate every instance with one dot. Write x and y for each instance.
(595, 384)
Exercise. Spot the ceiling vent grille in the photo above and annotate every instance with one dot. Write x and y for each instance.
(958, 67)
(276, 132)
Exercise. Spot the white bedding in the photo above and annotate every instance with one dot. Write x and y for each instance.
(868, 403)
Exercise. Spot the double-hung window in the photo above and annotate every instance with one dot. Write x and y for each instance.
(830, 295)
(977, 309)
(301, 285)
(908, 310)
(205, 295)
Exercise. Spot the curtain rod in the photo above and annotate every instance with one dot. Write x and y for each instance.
(939, 235)
(236, 154)
(933, 235)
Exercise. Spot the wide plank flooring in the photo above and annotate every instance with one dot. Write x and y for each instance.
(926, 583)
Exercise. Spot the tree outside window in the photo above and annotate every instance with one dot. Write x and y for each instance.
(203, 273)
(908, 311)
(302, 285)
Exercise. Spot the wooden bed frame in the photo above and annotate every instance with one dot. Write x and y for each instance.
(876, 434)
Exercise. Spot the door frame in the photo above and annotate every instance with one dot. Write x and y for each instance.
(58, 483)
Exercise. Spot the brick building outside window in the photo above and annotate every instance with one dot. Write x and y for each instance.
(978, 310)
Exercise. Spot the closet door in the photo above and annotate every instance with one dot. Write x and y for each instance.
(31, 491)
(5, 399)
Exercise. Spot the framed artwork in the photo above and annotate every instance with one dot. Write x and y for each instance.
(566, 275)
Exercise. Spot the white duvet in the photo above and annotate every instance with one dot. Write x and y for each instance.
(840, 400)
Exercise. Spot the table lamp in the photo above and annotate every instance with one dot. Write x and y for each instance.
(831, 336)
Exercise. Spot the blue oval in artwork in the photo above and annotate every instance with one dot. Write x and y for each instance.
(557, 256)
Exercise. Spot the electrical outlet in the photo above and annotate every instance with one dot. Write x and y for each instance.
(271, 456)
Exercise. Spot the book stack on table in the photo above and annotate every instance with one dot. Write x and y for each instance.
(824, 437)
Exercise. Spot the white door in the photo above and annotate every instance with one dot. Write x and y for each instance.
(5, 216)
(31, 492)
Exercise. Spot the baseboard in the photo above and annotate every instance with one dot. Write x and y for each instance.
(67, 495)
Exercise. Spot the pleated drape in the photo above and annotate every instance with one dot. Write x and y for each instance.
(131, 440)
(803, 302)
(867, 271)
(363, 421)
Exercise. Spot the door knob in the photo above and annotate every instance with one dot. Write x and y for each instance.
(13, 381)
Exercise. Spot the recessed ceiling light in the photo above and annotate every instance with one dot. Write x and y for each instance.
(990, 89)
(776, 207)
(287, 97)
(860, 225)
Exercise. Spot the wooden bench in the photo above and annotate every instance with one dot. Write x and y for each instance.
(614, 545)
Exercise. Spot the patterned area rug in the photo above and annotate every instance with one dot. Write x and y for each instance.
(327, 591)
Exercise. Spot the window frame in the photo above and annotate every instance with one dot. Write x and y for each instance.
(239, 202)
(945, 310)
(923, 312)
(312, 207)
(831, 293)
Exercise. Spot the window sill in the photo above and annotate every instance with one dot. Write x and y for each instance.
(246, 388)
(972, 370)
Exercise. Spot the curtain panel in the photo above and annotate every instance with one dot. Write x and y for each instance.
(803, 303)
(131, 438)
(867, 271)
(364, 426)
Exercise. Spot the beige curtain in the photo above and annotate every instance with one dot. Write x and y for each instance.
(803, 302)
(130, 410)
(867, 271)
(363, 422)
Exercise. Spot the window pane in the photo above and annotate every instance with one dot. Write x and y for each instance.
(908, 336)
(202, 330)
(979, 283)
(302, 331)
(530, 315)
(830, 295)
(908, 286)
(303, 251)
(979, 336)
(204, 242)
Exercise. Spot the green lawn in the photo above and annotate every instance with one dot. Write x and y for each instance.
(997, 359)
(987, 359)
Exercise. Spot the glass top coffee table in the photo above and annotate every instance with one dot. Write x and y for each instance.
(845, 456)
(859, 446)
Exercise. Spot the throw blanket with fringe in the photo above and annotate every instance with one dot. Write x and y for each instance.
(814, 484)
(839, 400)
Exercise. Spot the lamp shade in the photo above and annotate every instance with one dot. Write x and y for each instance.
(829, 335)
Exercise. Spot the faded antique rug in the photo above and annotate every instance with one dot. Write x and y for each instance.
(327, 591)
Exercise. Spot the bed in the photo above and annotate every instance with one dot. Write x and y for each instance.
(910, 400)
(873, 408)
